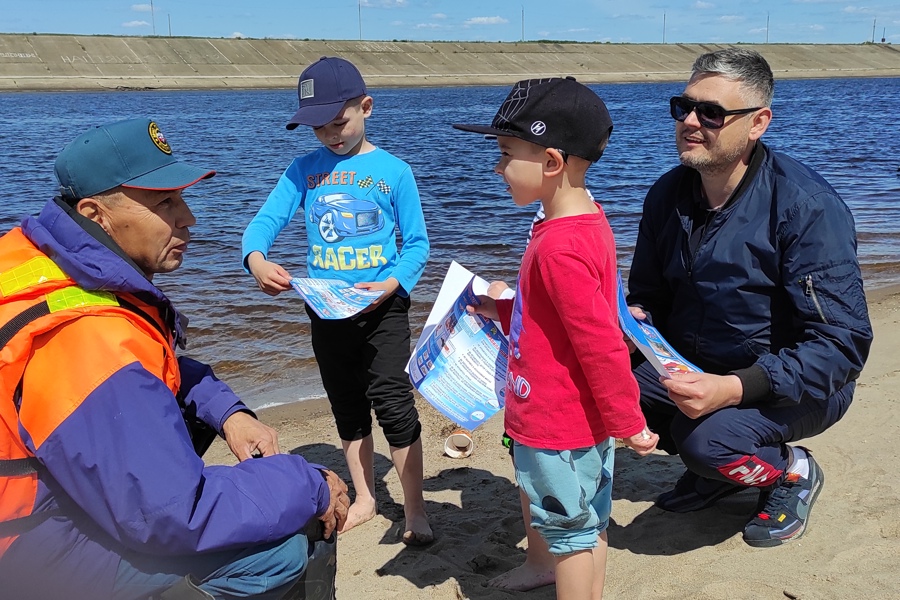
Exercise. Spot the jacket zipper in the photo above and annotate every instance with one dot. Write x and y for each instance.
(692, 258)
(811, 292)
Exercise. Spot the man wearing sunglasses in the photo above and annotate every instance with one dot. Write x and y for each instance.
(746, 262)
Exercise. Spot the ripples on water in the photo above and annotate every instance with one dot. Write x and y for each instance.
(260, 345)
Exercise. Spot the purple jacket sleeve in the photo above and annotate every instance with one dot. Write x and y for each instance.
(125, 457)
(210, 399)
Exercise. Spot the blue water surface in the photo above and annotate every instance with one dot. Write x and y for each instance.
(844, 128)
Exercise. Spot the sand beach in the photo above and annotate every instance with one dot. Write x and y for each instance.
(851, 550)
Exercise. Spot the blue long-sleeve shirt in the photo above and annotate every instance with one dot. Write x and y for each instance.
(352, 208)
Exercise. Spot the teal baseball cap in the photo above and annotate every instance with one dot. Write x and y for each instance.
(132, 153)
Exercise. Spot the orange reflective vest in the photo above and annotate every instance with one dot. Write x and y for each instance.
(37, 301)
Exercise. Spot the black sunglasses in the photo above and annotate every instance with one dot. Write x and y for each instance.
(711, 116)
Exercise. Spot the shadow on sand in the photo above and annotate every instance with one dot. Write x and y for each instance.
(478, 539)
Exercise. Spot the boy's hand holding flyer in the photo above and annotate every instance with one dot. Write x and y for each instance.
(459, 364)
(333, 298)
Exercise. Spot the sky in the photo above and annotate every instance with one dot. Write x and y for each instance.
(634, 21)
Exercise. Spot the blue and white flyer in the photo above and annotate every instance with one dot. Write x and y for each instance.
(459, 364)
(333, 298)
(664, 358)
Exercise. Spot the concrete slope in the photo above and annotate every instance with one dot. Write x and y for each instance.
(67, 62)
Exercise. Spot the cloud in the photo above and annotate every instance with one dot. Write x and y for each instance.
(757, 30)
(136, 24)
(577, 30)
(384, 3)
(701, 4)
(485, 21)
(428, 26)
(237, 35)
(636, 17)
(731, 18)
(817, 27)
(141, 8)
(438, 16)
(863, 10)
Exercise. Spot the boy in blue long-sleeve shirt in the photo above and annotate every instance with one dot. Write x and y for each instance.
(354, 196)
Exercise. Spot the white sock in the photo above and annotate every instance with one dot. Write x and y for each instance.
(800, 465)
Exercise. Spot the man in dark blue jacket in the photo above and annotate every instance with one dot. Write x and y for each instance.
(746, 262)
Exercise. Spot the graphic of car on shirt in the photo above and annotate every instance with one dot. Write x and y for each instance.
(342, 215)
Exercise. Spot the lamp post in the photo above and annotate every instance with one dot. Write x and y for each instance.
(152, 17)
(523, 22)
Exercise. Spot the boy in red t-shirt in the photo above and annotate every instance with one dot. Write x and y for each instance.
(570, 390)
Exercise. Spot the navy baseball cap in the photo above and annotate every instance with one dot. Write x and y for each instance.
(553, 112)
(324, 88)
(132, 153)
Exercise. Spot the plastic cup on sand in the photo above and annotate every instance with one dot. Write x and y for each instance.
(459, 444)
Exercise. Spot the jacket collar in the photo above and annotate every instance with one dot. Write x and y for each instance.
(690, 193)
(86, 253)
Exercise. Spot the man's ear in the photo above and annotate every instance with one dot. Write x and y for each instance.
(91, 208)
(554, 164)
(760, 123)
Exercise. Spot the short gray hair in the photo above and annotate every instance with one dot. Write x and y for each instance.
(743, 65)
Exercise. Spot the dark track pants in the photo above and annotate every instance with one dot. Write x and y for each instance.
(743, 445)
(362, 362)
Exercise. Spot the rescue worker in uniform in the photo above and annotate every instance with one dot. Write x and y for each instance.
(103, 493)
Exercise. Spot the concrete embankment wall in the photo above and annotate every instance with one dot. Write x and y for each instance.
(68, 62)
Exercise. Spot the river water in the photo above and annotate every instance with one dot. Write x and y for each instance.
(846, 129)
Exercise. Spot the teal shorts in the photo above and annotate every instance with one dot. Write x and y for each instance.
(570, 493)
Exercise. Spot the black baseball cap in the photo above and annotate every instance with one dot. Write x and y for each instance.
(555, 112)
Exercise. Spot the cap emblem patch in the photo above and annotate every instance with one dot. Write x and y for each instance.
(538, 128)
(158, 138)
(307, 89)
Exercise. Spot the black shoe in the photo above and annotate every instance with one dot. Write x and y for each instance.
(786, 512)
(693, 492)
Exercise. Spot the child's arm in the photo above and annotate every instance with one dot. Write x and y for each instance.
(389, 286)
(643, 443)
(414, 246)
(260, 234)
(271, 277)
(499, 309)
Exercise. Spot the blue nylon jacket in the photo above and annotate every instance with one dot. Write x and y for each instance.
(121, 467)
(774, 286)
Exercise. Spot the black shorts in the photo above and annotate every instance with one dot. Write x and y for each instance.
(362, 361)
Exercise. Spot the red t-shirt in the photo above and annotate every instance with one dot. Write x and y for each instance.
(569, 383)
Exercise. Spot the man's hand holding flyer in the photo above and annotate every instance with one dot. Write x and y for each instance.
(664, 358)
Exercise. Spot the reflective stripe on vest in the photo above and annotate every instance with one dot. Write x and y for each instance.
(28, 274)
